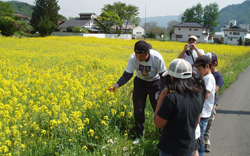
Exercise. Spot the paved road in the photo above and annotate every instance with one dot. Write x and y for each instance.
(230, 134)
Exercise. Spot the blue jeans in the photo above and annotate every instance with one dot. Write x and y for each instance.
(165, 154)
(203, 125)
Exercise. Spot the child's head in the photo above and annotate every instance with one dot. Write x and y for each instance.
(179, 77)
(213, 57)
(199, 81)
(203, 64)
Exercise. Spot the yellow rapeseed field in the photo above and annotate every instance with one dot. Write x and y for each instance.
(53, 91)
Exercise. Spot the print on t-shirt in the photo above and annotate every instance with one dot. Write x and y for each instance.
(144, 70)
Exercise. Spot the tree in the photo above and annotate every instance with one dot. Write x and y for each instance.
(193, 14)
(23, 26)
(160, 31)
(128, 13)
(5, 9)
(150, 27)
(45, 27)
(7, 26)
(16, 18)
(206, 16)
(62, 18)
(198, 13)
(44, 8)
(240, 41)
(109, 19)
(211, 14)
(72, 17)
(131, 16)
(170, 28)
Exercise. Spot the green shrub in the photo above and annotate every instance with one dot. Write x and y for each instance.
(7, 26)
(77, 29)
(247, 42)
(69, 28)
(84, 30)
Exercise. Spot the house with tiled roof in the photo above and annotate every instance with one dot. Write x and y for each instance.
(233, 34)
(88, 21)
(184, 30)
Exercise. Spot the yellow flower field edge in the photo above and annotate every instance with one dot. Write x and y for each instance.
(54, 98)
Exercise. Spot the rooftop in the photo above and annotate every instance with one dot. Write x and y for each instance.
(235, 28)
(190, 24)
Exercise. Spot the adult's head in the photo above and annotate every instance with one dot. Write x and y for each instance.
(193, 39)
(141, 50)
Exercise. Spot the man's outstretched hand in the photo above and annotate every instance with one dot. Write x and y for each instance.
(114, 87)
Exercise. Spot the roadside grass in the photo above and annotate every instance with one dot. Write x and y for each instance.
(233, 68)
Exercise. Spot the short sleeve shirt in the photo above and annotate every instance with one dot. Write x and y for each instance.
(195, 55)
(182, 112)
(147, 70)
(209, 103)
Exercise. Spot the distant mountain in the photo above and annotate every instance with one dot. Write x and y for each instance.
(161, 21)
(21, 8)
(238, 12)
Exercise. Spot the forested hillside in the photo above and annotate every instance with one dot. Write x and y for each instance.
(239, 12)
(21, 8)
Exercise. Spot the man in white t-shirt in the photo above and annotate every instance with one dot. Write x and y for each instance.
(191, 54)
(149, 66)
(203, 64)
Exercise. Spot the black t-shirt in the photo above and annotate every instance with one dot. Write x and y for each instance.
(182, 112)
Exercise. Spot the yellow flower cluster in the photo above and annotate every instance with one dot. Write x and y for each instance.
(57, 86)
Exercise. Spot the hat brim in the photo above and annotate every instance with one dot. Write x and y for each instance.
(196, 64)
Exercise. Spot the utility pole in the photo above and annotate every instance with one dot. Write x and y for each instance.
(145, 21)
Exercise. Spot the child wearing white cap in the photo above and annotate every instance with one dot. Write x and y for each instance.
(179, 112)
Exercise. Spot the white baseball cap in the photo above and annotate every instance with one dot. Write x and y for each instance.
(193, 37)
(179, 68)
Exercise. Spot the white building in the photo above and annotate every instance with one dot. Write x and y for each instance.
(184, 30)
(231, 23)
(137, 31)
(233, 34)
(245, 26)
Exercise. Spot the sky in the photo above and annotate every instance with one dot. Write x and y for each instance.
(147, 8)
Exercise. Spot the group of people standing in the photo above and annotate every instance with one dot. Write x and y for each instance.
(182, 97)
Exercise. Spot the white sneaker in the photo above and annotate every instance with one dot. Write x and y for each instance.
(137, 141)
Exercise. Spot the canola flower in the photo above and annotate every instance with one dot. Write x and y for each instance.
(54, 89)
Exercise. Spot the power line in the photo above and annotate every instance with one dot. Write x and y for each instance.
(69, 10)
